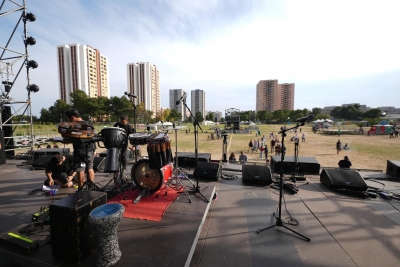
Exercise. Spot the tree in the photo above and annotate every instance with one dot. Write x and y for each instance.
(262, 115)
(199, 116)
(373, 113)
(174, 115)
(316, 111)
(210, 116)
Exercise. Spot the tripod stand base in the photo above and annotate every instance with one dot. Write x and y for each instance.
(90, 186)
(279, 223)
(197, 190)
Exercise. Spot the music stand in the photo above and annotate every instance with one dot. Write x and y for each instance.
(278, 221)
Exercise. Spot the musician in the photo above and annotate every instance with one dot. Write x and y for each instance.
(60, 171)
(79, 153)
(123, 123)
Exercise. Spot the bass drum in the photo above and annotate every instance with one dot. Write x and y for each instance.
(151, 179)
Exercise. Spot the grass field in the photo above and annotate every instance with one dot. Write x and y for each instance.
(365, 152)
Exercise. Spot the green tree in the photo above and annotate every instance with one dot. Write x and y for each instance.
(174, 115)
(199, 117)
(316, 111)
(262, 115)
(210, 116)
(373, 113)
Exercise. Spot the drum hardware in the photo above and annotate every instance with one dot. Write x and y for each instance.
(176, 178)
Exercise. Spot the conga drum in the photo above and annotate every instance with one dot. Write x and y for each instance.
(105, 220)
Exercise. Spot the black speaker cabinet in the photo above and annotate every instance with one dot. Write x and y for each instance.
(208, 171)
(188, 160)
(2, 148)
(393, 168)
(41, 162)
(343, 179)
(99, 164)
(72, 238)
(307, 165)
(256, 174)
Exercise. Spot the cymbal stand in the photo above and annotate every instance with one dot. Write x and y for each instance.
(279, 221)
(177, 174)
(196, 189)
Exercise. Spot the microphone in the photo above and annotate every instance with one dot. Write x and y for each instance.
(130, 95)
(306, 118)
(180, 99)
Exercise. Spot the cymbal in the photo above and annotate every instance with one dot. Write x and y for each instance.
(172, 128)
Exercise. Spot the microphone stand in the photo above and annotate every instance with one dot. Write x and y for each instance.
(134, 123)
(278, 221)
(196, 124)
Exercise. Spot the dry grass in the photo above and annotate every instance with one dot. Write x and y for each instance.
(365, 152)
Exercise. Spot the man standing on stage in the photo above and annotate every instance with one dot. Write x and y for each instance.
(123, 123)
(79, 153)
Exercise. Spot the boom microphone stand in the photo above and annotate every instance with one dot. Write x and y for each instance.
(279, 221)
(132, 99)
(196, 145)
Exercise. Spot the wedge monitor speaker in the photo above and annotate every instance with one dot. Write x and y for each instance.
(256, 174)
(343, 179)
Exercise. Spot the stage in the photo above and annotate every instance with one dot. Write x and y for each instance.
(344, 230)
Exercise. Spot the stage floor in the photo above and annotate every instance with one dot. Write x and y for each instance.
(344, 230)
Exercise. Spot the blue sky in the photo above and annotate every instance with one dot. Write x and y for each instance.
(334, 51)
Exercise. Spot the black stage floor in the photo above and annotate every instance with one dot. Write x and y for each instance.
(344, 230)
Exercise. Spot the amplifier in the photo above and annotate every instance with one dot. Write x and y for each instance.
(72, 238)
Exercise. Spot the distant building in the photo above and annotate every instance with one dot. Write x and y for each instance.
(217, 114)
(198, 99)
(390, 110)
(174, 97)
(362, 108)
(144, 82)
(272, 96)
(328, 109)
(82, 67)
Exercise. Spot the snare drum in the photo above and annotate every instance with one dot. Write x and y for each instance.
(113, 137)
(138, 138)
(151, 179)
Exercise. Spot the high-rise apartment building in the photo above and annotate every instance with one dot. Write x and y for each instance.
(272, 96)
(82, 67)
(198, 99)
(174, 97)
(144, 82)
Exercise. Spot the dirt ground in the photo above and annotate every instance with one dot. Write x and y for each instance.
(365, 152)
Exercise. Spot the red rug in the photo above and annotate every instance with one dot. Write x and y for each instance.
(150, 208)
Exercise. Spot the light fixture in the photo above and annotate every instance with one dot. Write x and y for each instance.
(30, 41)
(33, 88)
(32, 64)
(30, 17)
(7, 86)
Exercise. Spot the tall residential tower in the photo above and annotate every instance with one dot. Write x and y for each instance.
(82, 67)
(144, 82)
(198, 98)
(272, 96)
(174, 97)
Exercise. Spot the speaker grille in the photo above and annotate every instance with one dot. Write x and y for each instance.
(343, 179)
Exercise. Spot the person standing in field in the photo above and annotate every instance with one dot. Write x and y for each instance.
(338, 146)
(250, 145)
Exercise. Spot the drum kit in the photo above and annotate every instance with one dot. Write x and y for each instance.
(149, 175)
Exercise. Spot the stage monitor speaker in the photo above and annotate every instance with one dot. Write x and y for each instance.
(393, 168)
(307, 165)
(72, 237)
(2, 148)
(41, 162)
(99, 164)
(208, 171)
(256, 174)
(188, 160)
(343, 179)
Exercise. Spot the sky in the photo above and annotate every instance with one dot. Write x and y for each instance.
(335, 51)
